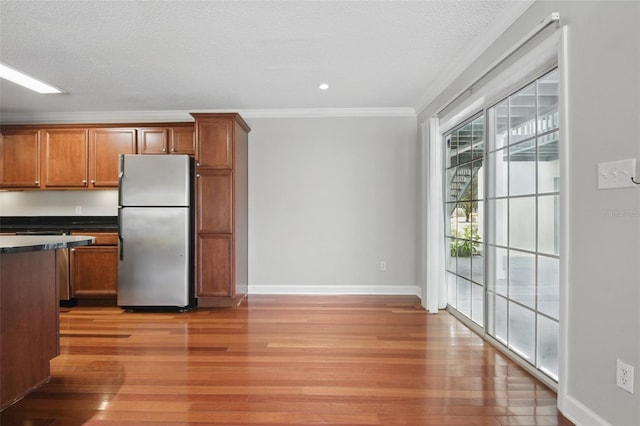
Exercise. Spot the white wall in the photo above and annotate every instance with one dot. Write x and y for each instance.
(329, 198)
(59, 203)
(602, 248)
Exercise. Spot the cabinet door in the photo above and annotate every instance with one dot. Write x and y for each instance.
(94, 271)
(182, 140)
(152, 140)
(214, 259)
(20, 159)
(215, 148)
(105, 147)
(64, 158)
(214, 201)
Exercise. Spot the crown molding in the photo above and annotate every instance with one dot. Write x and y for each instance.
(95, 117)
(178, 115)
(329, 112)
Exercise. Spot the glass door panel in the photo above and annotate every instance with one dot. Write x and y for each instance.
(464, 227)
(523, 201)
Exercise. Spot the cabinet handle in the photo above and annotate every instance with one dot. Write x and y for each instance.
(92, 182)
(173, 150)
(164, 150)
(37, 182)
(84, 181)
(198, 175)
(198, 164)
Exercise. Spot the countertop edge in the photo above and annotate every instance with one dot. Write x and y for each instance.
(26, 243)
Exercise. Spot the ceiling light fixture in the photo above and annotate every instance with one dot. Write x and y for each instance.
(323, 86)
(24, 80)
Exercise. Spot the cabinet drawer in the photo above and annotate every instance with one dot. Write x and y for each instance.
(102, 238)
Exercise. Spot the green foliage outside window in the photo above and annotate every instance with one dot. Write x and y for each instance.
(468, 243)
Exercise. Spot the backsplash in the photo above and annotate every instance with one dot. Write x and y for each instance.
(59, 203)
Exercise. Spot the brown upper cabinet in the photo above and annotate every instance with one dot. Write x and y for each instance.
(105, 147)
(153, 140)
(84, 158)
(64, 158)
(20, 159)
(74, 157)
(81, 156)
(182, 140)
(166, 140)
(215, 150)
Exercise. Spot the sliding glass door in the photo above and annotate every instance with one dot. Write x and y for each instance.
(511, 268)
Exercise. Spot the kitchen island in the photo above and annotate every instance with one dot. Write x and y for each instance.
(29, 325)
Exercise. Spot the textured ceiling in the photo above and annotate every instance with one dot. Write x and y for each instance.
(208, 55)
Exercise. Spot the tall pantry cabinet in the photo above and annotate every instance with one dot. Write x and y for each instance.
(221, 208)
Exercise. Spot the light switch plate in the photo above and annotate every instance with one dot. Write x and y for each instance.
(616, 174)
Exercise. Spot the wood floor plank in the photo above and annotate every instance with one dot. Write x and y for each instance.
(279, 360)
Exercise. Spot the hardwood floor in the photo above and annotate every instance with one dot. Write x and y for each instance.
(277, 360)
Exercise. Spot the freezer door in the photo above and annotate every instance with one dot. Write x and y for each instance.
(154, 180)
(154, 251)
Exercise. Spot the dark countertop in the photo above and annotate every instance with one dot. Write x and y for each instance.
(58, 223)
(20, 243)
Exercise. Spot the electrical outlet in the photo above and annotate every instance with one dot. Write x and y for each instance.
(624, 376)
(78, 209)
(383, 265)
(617, 174)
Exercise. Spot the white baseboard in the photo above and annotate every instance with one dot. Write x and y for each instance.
(579, 414)
(406, 290)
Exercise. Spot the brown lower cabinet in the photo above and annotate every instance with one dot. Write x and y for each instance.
(94, 269)
(215, 266)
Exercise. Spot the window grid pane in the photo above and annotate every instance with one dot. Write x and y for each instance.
(547, 346)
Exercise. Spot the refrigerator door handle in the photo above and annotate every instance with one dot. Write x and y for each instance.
(120, 176)
(120, 239)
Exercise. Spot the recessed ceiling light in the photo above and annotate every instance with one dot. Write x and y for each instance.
(24, 80)
(323, 86)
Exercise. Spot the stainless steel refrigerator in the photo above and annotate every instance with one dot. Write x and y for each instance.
(155, 228)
